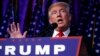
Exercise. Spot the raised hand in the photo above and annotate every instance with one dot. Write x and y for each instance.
(15, 32)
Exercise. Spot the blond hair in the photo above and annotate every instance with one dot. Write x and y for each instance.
(66, 5)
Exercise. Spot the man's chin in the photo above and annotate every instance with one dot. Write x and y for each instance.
(60, 25)
(59, 28)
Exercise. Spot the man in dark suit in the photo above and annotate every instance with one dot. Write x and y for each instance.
(59, 13)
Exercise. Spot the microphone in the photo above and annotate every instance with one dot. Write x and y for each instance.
(53, 25)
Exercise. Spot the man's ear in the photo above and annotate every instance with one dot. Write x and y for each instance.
(70, 18)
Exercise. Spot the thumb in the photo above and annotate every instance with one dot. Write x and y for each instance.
(24, 35)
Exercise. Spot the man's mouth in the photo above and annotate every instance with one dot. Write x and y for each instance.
(59, 21)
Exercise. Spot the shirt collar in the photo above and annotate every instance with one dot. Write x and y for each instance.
(66, 33)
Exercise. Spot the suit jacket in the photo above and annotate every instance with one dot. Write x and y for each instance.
(83, 49)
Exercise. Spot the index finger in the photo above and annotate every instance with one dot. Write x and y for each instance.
(18, 28)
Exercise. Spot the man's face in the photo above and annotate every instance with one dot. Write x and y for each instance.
(59, 15)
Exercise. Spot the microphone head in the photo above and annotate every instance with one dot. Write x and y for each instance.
(54, 25)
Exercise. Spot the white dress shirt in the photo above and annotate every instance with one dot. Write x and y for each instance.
(66, 33)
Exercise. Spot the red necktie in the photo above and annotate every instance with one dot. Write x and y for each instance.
(60, 34)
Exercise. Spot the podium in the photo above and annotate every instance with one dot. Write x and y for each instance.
(42, 46)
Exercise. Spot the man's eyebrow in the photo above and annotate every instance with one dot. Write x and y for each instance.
(62, 9)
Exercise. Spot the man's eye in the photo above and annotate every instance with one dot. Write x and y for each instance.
(63, 10)
(53, 12)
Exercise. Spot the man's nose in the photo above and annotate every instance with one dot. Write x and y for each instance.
(58, 14)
